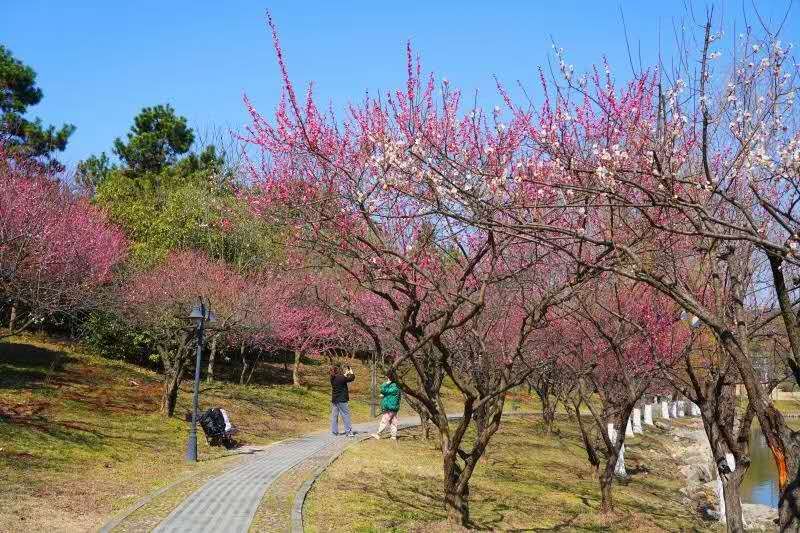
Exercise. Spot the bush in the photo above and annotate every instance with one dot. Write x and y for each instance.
(107, 335)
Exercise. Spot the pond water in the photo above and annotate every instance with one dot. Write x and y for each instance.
(760, 484)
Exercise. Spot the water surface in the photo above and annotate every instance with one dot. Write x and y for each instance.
(760, 484)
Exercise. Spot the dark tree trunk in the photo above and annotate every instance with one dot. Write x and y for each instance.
(779, 437)
(785, 449)
(174, 365)
(789, 505)
(606, 478)
(733, 502)
(456, 499)
(172, 381)
(718, 413)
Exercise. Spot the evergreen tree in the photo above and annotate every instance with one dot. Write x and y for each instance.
(156, 140)
(23, 138)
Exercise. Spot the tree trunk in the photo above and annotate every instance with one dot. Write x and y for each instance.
(211, 356)
(172, 381)
(733, 502)
(296, 370)
(789, 505)
(425, 432)
(778, 435)
(456, 502)
(245, 364)
(606, 478)
(548, 414)
(13, 320)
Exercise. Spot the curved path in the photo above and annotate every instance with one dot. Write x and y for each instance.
(230, 501)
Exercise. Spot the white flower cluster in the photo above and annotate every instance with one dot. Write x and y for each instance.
(789, 155)
(609, 162)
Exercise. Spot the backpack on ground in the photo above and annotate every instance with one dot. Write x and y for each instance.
(217, 426)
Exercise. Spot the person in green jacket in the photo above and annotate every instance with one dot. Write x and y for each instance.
(390, 404)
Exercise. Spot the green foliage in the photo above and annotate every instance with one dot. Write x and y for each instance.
(166, 202)
(106, 334)
(24, 138)
(93, 171)
(156, 139)
(168, 213)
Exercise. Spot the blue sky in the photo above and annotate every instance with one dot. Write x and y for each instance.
(99, 62)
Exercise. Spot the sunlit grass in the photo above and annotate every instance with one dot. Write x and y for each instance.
(526, 481)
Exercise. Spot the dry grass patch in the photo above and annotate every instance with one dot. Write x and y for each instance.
(527, 481)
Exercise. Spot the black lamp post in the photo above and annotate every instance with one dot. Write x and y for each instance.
(199, 316)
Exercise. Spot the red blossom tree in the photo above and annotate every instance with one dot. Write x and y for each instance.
(447, 298)
(56, 250)
(158, 301)
(614, 339)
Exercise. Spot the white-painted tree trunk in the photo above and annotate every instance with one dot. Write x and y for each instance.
(673, 409)
(694, 409)
(732, 465)
(648, 415)
(664, 409)
(681, 409)
(619, 468)
(629, 428)
(637, 420)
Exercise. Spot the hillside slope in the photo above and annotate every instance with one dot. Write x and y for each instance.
(81, 436)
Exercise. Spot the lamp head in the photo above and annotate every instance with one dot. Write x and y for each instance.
(200, 313)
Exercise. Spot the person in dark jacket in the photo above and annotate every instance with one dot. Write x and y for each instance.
(339, 398)
(390, 405)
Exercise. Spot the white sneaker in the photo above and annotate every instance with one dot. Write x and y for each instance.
(375, 436)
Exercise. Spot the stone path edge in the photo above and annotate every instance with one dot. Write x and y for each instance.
(305, 488)
(117, 520)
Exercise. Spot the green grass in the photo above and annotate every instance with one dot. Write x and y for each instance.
(526, 481)
(81, 437)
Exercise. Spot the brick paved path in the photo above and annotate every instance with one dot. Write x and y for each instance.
(229, 502)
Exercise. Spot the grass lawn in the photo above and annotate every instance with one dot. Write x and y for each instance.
(527, 481)
(81, 437)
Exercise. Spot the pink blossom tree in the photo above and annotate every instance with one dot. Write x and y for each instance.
(158, 301)
(57, 252)
(447, 298)
(614, 339)
(301, 322)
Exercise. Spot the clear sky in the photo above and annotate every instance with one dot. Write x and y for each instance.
(100, 62)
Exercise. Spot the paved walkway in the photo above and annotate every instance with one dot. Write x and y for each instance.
(229, 502)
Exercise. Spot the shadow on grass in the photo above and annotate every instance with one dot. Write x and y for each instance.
(24, 366)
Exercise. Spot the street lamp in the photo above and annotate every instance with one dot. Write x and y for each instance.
(199, 316)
